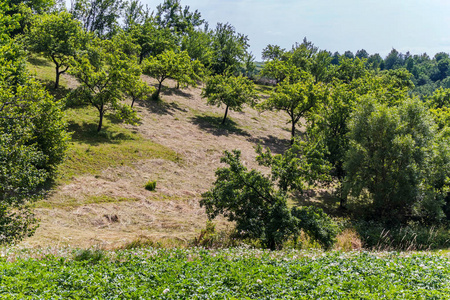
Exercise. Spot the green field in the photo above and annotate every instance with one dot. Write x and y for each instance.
(223, 274)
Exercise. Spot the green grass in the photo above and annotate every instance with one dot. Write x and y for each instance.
(44, 70)
(264, 89)
(70, 202)
(237, 273)
(91, 152)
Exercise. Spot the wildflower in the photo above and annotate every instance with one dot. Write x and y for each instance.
(259, 281)
(166, 291)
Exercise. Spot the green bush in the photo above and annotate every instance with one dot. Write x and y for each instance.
(150, 185)
(257, 203)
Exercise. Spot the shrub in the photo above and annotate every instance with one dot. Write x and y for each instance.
(259, 207)
(150, 185)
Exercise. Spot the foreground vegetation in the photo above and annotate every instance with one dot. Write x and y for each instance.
(238, 273)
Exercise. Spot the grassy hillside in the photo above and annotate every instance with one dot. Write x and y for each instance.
(100, 199)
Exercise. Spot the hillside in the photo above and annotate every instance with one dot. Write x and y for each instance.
(100, 198)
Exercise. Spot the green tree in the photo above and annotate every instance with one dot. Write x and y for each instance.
(58, 37)
(272, 52)
(259, 208)
(279, 70)
(296, 99)
(102, 71)
(33, 139)
(231, 91)
(171, 15)
(198, 46)
(228, 49)
(177, 66)
(390, 157)
(151, 39)
(98, 16)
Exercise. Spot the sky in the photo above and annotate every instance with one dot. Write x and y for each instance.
(377, 26)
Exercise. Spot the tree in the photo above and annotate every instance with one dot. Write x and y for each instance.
(231, 91)
(272, 52)
(33, 139)
(198, 46)
(390, 157)
(279, 70)
(151, 39)
(58, 37)
(259, 208)
(177, 66)
(102, 71)
(296, 99)
(171, 15)
(135, 14)
(228, 49)
(98, 16)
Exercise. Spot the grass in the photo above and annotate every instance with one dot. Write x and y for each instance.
(44, 70)
(69, 203)
(91, 152)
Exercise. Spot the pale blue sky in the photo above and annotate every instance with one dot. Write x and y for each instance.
(375, 25)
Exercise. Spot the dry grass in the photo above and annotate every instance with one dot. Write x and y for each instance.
(112, 208)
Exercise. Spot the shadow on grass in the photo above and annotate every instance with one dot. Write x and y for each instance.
(176, 91)
(59, 93)
(38, 61)
(275, 144)
(161, 108)
(213, 125)
(87, 133)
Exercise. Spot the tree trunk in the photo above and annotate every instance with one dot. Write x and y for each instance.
(57, 77)
(292, 132)
(100, 122)
(225, 117)
(158, 91)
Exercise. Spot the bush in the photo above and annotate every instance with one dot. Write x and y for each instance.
(259, 207)
(150, 186)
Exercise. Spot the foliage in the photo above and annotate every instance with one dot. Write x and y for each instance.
(177, 66)
(58, 37)
(98, 16)
(228, 49)
(390, 156)
(296, 99)
(232, 91)
(102, 71)
(33, 142)
(237, 273)
(198, 46)
(260, 211)
(272, 52)
(150, 185)
(171, 15)
(151, 39)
